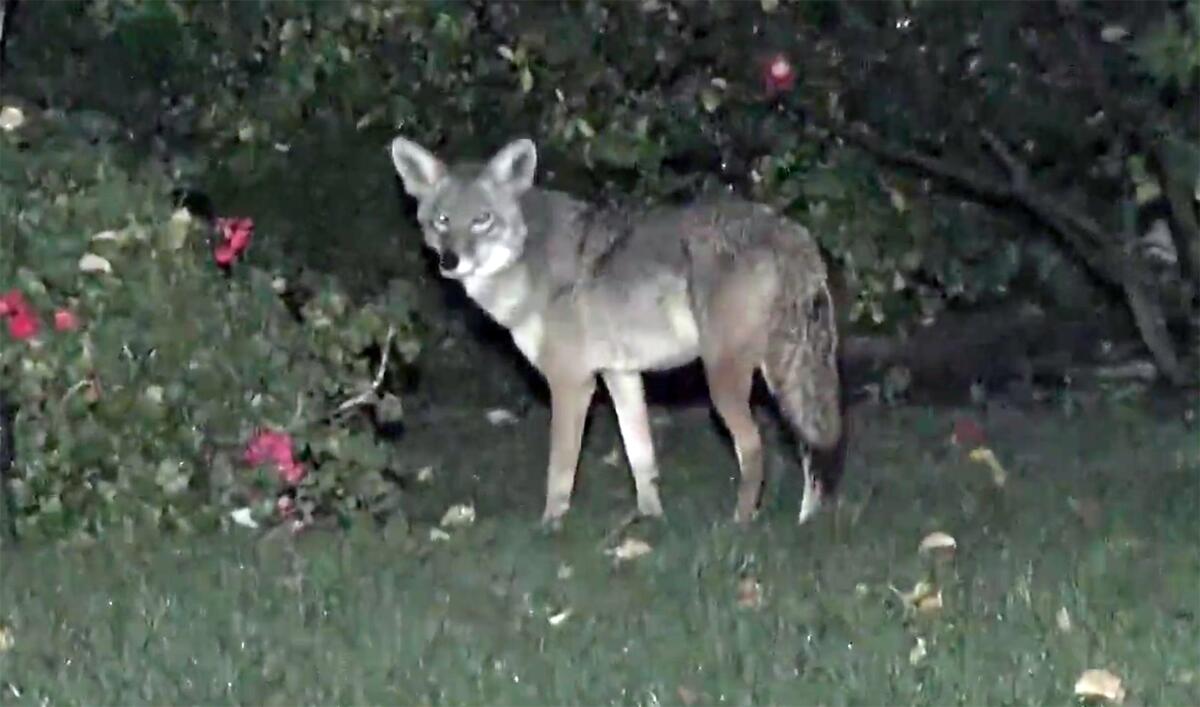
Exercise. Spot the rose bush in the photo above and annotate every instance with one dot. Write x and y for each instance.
(180, 379)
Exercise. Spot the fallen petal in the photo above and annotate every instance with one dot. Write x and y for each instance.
(1100, 684)
(557, 619)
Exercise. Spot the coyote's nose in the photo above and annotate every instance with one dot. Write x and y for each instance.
(448, 260)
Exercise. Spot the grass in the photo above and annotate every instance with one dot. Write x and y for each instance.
(367, 617)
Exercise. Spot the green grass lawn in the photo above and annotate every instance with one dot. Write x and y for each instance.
(367, 617)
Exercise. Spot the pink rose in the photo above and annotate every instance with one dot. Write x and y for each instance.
(65, 320)
(235, 239)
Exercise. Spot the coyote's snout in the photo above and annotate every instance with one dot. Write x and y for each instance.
(589, 292)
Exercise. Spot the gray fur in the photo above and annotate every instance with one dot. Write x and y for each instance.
(588, 292)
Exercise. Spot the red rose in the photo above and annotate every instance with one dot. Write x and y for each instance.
(967, 433)
(23, 325)
(12, 302)
(274, 448)
(779, 75)
(22, 320)
(235, 239)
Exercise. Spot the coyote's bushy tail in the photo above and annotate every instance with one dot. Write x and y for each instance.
(803, 366)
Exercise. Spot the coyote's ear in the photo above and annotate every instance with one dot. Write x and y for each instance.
(514, 166)
(418, 168)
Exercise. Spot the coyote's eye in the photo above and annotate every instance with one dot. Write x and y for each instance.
(482, 222)
(442, 222)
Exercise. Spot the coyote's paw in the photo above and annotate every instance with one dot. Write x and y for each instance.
(744, 517)
(650, 505)
(810, 502)
(551, 526)
(553, 515)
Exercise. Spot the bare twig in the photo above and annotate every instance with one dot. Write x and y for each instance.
(369, 395)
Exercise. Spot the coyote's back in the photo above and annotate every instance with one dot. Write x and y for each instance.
(612, 293)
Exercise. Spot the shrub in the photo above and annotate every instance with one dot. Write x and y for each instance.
(155, 387)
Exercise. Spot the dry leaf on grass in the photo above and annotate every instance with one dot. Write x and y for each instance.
(1062, 619)
(425, 475)
(458, 515)
(559, 618)
(1100, 685)
(631, 549)
(749, 593)
(987, 457)
(7, 641)
(918, 652)
(925, 597)
(500, 416)
(438, 535)
(938, 541)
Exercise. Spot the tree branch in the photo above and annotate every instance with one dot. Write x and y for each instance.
(995, 191)
(1133, 126)
(1146, 309)
(1099, 248)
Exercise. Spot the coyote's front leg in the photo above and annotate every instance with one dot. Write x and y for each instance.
(629, 398)
(569, 402)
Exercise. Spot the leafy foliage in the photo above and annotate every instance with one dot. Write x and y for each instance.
(141, 413)
(653, 100)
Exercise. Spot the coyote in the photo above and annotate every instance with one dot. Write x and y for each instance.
(616, 292)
